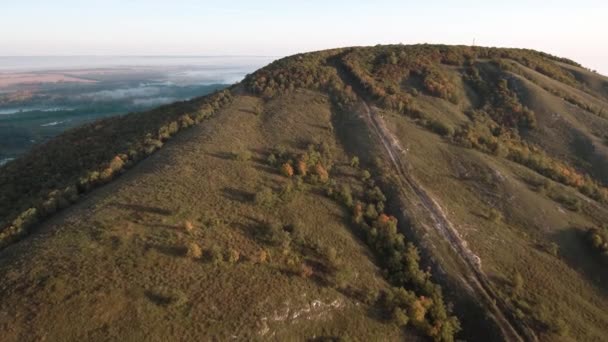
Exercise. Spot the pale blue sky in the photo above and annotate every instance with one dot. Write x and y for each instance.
(574, 28)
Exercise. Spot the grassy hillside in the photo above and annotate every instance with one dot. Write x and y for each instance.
(369, 193)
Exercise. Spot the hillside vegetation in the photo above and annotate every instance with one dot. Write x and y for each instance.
(369, 193)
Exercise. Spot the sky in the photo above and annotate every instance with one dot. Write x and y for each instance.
(572, 29)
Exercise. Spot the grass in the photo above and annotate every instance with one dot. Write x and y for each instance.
(135, 238)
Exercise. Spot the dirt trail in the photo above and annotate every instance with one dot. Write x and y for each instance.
(475, 279)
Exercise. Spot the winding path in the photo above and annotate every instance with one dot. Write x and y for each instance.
(476, 279)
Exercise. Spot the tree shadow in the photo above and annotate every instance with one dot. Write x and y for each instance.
(248, 111)
(222, 155)
(170, 250)
(265, 168)
(142, 208)
(237, 195)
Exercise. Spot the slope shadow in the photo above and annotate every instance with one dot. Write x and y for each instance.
(579, 256)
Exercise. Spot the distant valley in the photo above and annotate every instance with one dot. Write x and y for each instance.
(41, 97)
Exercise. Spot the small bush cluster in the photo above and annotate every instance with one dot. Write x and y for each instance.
(313, 165)
(598, 240)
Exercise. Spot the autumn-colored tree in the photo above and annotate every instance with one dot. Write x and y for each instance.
(194, 250)
(286, 170)
(306, 271)
(302, 167)
(188, 226)
(322, 173)
(262, 256)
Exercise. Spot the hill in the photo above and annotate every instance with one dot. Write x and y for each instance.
(367, 193)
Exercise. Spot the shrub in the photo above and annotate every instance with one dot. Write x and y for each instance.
(331, 255)
(517, 283)
(188, 226)
(370, 212)
(354, 162)
(322, 173)
(286, 170)
(271, 160)
(233, 256)
(194, 251)
(272, 232)
(244, 155)
(569, 201)
(215, 254)
(343, 277)
(306, 271)
(441, 128)
(375, 195)
(302, 168)
(400, 317)
(346, 195)
(265, 198)
(494, 215)
(365, 175)
(263, 256)
(598, 240)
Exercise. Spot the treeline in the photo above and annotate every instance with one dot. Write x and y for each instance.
(414, 299)
(308, 71)
(499, 100)
(566, 96)
(393, 75)
(56, 174)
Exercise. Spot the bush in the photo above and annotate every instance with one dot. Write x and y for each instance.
(194, 251)
(346, 195)
(265, 198)
(365, 175)
(441, 128)
(271, 160)
(302, 168)
(286, 170)
(494, 215)
(306, 271)
(244, 155)
(272, 232)
(354, 162)
(322, 173)
(233, 256)
(188, 226)
(215, 254)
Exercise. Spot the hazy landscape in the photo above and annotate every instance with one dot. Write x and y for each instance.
(41, 97)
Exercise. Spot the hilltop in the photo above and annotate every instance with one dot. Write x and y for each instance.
(366, 193)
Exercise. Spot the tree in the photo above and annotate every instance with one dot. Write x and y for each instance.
(244, 155)
(302, 167)
(354, 162)
(272, 159)
(370, 212)
(194, 251)
(286, 170)
(322, 173)
(265, 198)
(233, 256)
(400, 317)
